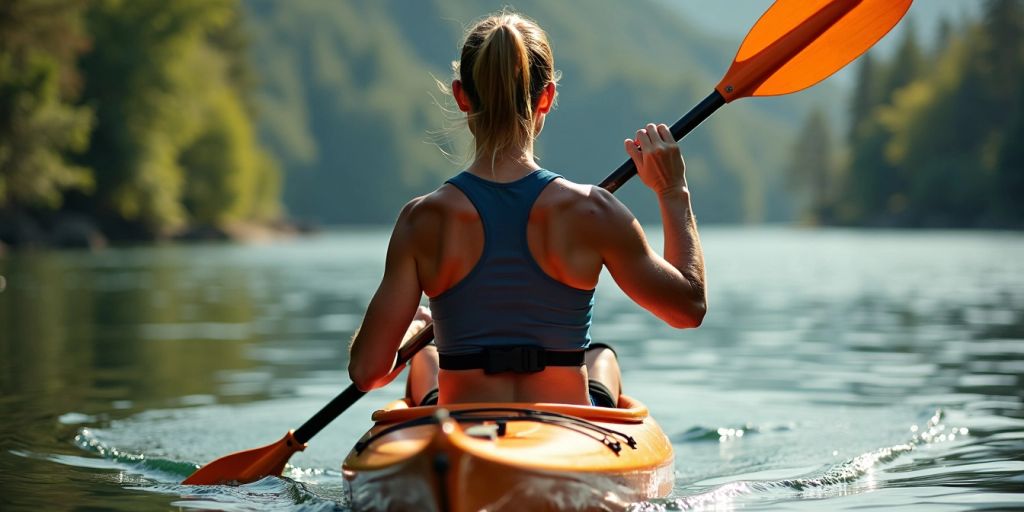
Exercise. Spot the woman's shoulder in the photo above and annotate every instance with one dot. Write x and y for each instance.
(587, 202)
(444, 203)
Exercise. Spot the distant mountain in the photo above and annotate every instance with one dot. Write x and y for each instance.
(348, 103)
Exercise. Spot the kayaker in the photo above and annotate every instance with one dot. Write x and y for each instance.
(509, 253)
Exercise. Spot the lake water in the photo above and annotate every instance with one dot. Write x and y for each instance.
(838, 370)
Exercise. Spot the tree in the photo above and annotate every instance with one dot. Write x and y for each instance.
(175, 141)
(39, 125)
(907, 65)
(865, 96)
(875, 191)
(943, 35)
(865, 174)
(1002, 47)
(811, 169)
(1004, 21)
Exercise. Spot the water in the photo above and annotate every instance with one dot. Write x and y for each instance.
(835, 370)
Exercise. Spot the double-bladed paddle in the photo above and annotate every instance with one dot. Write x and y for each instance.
(794, 45)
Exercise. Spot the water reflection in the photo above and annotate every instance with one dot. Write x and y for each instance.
(820, 347)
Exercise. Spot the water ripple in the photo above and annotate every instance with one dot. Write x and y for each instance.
(835, 480)
(137, 471)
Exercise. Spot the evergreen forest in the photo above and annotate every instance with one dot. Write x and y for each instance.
(935, 134)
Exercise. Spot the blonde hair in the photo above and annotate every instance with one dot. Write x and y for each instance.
(506, 63)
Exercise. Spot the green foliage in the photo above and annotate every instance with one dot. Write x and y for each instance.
(143, 113)
(812, 169)
(934, 139)
(865, 97)
(346, 96)
(39, 125)
(137, 112)
(228, 143)
(174, 141)
(1009, 175)
(908, 63)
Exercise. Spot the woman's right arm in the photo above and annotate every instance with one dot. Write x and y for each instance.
(670, 286)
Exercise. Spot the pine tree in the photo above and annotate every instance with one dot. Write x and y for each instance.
(1004, 29)
(865, 95)
(940, 144)
(811, 170)
(907, 64)
(943, 36)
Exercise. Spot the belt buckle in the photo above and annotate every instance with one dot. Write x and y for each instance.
(522, 359)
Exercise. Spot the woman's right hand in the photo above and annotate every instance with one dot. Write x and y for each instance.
(419, 321)
(658, 159)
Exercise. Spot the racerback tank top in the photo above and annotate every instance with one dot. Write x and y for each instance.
(507, 299)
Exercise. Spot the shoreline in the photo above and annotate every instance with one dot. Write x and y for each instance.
(68, 230)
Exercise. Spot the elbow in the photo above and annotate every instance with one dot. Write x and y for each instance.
(690, 316)
(363, 379)
(699, 310)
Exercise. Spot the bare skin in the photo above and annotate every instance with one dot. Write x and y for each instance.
(573, 232)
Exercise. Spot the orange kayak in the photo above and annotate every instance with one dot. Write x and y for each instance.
(500, 456)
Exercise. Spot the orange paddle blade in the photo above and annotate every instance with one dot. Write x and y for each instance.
(798, 43)
(249, 465)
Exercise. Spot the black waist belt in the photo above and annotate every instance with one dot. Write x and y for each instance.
(523, 359)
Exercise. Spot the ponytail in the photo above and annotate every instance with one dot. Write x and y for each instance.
(506, 63)
(503, 117)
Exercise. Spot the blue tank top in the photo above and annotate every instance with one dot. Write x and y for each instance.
(506, 299)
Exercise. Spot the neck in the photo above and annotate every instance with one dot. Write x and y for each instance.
(507, 166)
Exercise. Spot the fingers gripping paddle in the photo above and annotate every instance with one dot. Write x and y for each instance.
(794, 45)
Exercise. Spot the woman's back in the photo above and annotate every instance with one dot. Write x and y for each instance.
(450, 237)
(452, 255)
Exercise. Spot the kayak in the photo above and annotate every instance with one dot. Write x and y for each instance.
(509, 456)
(501, 456)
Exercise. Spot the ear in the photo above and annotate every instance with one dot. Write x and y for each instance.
(461, 99)
(547, 99)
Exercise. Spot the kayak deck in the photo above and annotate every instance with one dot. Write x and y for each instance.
(509, 457)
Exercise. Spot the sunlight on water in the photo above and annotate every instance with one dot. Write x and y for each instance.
(813, 383)
(856, 475)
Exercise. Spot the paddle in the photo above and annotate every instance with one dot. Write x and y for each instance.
(251, 465)
(794, 45)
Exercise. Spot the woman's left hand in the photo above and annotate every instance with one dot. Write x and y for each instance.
(419, 321)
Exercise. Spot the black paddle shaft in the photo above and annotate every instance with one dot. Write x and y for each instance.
(683, 126)
(332, 410)
(343, 401)
(616, 179)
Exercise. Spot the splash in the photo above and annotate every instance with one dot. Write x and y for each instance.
(725, 434)
(157, 467)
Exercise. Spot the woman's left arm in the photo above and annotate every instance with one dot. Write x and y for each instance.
(386, 324)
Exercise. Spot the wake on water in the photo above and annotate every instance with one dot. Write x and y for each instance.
(833, 480)
(323, 489)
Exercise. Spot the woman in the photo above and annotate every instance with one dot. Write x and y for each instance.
(509, 254)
